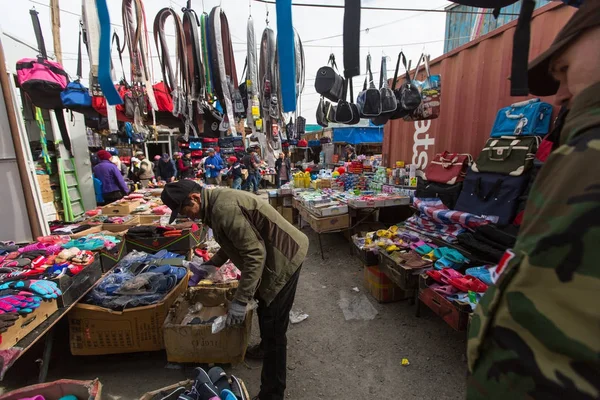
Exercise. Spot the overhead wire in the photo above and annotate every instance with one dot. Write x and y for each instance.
(383, 8)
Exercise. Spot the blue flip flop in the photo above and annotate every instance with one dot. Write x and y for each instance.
(481, 273)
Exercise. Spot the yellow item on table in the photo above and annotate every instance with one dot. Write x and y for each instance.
(391, 248)
(393, 228)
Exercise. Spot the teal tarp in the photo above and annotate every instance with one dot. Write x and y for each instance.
(358, 135)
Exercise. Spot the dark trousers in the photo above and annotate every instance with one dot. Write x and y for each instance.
(273, 321)
(112, 196)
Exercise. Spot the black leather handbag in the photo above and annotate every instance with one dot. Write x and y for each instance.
(448, 194)
(407, 95)
(347, 112)
(320, 114)
(372, 105)
(329, 82)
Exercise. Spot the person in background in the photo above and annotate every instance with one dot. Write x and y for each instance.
(156, 162)
(268, 250)
(235, 173)
(252, 162)
(146, 169)
(117, 161)
(174, 162)
(536, 333)
(133, 173)
(213, 166)
(283, 169)
(184, 165)
(113, 184)
(166, 169)
(350, 154)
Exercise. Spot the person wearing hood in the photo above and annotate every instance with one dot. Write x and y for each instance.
(156, 162)
(166, 169)
(133, 172)
(184, 165)
(213, 166)
(113, 184)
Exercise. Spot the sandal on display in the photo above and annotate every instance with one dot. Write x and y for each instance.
(468, 283)
(445, 290)
(481, 273)
(435, 275)
(449, 273)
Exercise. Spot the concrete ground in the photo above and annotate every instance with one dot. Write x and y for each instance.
(329, 357)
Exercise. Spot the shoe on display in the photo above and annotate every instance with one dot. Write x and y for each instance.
(219, 378)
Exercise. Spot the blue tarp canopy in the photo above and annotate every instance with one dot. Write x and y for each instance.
(358, 135)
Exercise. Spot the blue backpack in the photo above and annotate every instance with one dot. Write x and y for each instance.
(526, 118)
(76, 97)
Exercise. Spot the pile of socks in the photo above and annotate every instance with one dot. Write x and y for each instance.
(139, 279)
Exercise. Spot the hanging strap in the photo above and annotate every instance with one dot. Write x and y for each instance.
(179, 77)
(120, 50)
(401, 57)
(196, 85)
(37, 28)
(370, 74)
(79, 67)
(519, 85)
(244, 70)
(351, 38)
(205, 56)
(104, 75)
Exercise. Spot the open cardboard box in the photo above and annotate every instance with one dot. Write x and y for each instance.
(197, 343)
(88, 390)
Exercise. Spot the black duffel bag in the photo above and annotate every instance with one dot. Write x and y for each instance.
(448, 194)
(329, 82)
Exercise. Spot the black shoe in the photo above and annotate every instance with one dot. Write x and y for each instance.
(203, 387)
(219, 379)
(237, 390)
(255, 352)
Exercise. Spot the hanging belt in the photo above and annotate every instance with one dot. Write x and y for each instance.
(136, 38)
(205, 56)
(177, 79)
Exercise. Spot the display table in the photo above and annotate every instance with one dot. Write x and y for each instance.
(11, 355)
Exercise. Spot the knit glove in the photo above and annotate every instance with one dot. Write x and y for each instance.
(22, 304)
(7, 320)
(236, 313)
(46, 289)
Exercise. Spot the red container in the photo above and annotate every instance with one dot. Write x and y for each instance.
(457, 316)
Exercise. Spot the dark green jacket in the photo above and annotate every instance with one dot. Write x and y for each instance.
(536, 332)
(259, 241)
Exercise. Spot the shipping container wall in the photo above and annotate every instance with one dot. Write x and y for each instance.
(475, 86)
(459, 26)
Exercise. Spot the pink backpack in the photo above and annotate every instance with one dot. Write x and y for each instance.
(42, 81)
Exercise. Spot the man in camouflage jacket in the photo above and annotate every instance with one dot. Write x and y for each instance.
(536, 333)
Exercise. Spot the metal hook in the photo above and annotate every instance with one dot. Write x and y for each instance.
(267, 8)
(249, 8)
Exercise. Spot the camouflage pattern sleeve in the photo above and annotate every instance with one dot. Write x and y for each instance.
(536, 333)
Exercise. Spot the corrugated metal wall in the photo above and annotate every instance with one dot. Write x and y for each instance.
(459, 26)
(475, 86)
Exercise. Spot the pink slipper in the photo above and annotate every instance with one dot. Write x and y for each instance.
(444, 290)
(449, 273)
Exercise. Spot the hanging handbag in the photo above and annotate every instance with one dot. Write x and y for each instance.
(328, 82)
(529, 117)
(407, 95)
(507, 155)
(300, 126)
(345, 112)
(448, 194)
(41, 79)
(489, 194)
(320, 114)
(431, 91)
(389, 103)
(290, 129)
(448, 168)
(372, 106)
(76, 97)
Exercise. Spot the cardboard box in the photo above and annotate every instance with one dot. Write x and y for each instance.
(196, 343)
(135, 221)
(287, 201)
(95, 330)
(110, 258)
(28, 323)
(397, 201)
(120, 207)
(89, 390)
(289, 214)
(76, 286)
(331, 210)
(94, 229)
(327, 224)
(382, 288)
(405, 278)
(148, 219)
(455, 315)
(212, 295)
(189, 239)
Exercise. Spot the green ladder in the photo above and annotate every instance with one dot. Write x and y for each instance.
(69, 189)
